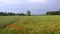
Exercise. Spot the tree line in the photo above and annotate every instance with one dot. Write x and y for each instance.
(53, 13)
(14, 14)
(28, 13)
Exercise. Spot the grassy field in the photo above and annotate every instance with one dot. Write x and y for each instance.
(4, 20)
(30, 24)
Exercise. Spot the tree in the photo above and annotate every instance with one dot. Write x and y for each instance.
(53, 13)
(22, 14)
(28, 13)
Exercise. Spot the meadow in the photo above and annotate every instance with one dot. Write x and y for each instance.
(30, 24)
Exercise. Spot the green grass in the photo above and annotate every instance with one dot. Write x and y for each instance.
(7, 19)
(31, 24)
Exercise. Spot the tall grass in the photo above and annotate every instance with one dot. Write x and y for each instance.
(34, 25)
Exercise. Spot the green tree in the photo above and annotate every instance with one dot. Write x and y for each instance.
(28, 13)
(22, 14)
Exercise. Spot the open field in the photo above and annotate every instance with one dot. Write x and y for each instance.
(30, 24)
(7, 19)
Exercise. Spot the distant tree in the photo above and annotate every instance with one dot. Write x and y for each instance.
(22, 14)
(1, 13)
(4, 14)
(11, 14)
(53, 13)
(28, 13)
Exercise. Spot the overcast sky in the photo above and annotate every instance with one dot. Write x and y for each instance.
(35, 6)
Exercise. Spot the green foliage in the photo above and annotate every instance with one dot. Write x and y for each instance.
(28, 13)
(11, 14)
(53, 13)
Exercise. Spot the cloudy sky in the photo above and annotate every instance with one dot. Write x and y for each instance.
(35, 6)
